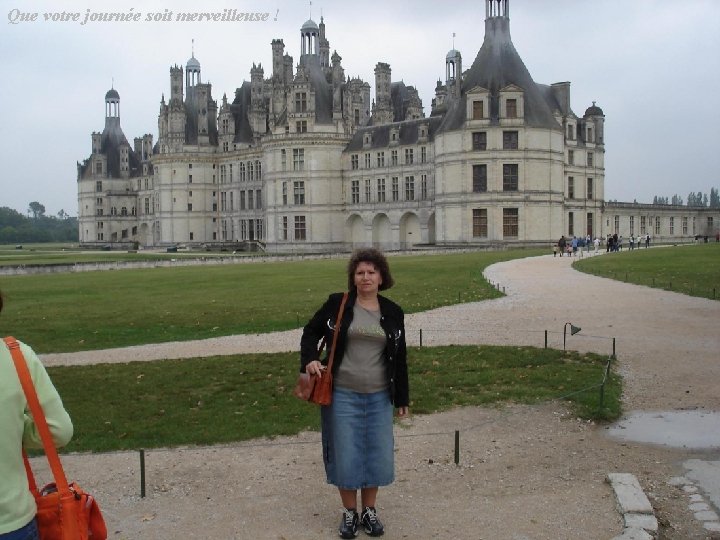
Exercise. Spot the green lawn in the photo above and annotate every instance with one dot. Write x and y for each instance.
(97, 310)
(233, 398)
(691, 269)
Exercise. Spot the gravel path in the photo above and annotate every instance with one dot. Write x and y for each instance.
(524, 473)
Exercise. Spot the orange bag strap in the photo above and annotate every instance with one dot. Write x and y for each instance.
(40, 421)
(336, 332)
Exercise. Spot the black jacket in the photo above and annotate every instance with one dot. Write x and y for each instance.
(392, 320)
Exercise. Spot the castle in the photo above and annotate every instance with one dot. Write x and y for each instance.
(304, 161)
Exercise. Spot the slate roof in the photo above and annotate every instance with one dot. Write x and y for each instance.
(496, 66)
(408, 133)
(240, 108)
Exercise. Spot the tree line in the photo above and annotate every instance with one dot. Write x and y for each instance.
(15, 228)
(697, 200)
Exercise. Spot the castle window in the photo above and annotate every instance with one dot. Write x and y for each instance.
(672, 225)
(510, 177)
(393, 157)
(298, 192)
(355, 191)
(570, 132)
(367, 161)
(571, 157)
(478, 112)
(301, 126)
(510, 222)
(147, 205)
(423, 154)
(192, 236)
(355, 161)
(189, 207)
(298, 159)
(283, 159)
(657, 225)
(409, 188)
(242, 198)
(381, 190)
(381, 159)
(258, 197)
(617, 224)
(479, 140)
(589, 224)
(395, 189)
(571, 223)
(226, 147)
(300, 102)
(589, 134)
(284, 193)
(684, 225)
(300, 230)
(284, 228)
(479, 178)
(98, 186)
(590, 193)
(409, 156)
(571, 187)
(510, 140)
(368, 191)
(190, 179)
(589, 159)
(511, 108)
(251, 199)
(423, 187)
(479, 225)
(98, 167)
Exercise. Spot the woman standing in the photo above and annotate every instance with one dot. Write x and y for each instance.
(370, 377)
(17, 505)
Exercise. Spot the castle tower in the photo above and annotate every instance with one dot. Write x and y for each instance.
(112, 108)
(453, 72)
(309, 38)
(324, 49)
(382, 112)
(278, 49)
(497, 8)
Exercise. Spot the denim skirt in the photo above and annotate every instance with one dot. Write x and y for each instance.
(357, 439)
(28, 532)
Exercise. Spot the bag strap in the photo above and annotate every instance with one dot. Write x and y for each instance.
(39, 419)
(336, 332)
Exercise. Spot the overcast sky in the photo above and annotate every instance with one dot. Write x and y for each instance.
(653, 66)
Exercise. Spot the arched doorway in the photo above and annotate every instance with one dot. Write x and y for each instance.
(431, 229)
(355, 230)
(409, 231)
(381, 233)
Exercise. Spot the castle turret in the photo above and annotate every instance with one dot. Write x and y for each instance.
(382, 111)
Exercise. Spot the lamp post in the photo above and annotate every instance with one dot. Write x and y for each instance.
(573, 330)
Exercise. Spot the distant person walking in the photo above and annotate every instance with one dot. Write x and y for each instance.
(632, 242)
(574, 245)
(562, 243)
(596, 242)
(647, 241)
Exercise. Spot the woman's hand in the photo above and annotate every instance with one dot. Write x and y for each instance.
(402, 412)
(315, 368)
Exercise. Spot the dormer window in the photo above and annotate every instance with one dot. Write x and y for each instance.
(570, 129)
(367, 139)
(511, 108)
(478, 110)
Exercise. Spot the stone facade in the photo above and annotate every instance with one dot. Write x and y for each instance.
(305, 161)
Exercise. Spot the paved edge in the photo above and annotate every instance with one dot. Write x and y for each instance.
(633, 504)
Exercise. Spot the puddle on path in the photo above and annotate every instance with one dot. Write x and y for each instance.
(679, 429)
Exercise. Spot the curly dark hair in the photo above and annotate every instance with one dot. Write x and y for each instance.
(374, 257)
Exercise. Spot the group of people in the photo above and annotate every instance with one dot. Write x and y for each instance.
(370, 382)
(613, 242)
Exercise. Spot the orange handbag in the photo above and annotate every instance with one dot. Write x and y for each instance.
(319, 390)
(64, 511)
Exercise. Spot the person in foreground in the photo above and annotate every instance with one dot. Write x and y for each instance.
(370, 377)
(17, 505)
